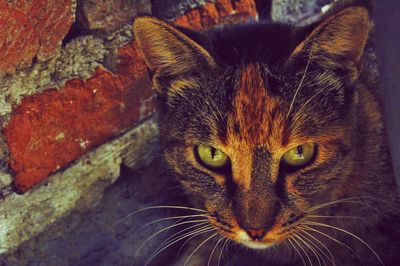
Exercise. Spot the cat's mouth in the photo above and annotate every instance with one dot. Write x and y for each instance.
(274, 236)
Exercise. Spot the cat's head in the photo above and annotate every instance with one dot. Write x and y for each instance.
(257, 121)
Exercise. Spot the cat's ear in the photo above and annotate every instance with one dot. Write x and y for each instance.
(341, 37)
(168, 51)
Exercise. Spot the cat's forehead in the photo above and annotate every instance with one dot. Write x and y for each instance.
(257, 116)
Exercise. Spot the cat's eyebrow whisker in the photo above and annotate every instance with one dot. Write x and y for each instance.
(158, 207)
(300, 85)
(197, 232)
(297, 250)
(163, 230)
(201, 244)
(301, 247)
(348, 233)
(331, 259)
(303, 107)
(213, 250)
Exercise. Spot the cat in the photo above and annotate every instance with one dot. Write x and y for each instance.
(276, 136)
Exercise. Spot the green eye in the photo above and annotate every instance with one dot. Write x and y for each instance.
(211, 156)
(299, 155)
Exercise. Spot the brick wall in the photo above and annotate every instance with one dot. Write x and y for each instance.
(64, 93)
(75, 101)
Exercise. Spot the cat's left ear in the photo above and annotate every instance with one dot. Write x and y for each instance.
(339, 39)
(167, 51)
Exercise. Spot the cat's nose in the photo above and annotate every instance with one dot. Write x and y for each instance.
(256, 234)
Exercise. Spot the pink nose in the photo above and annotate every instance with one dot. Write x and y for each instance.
(256, 234)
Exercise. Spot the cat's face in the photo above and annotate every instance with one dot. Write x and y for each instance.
(258, 142)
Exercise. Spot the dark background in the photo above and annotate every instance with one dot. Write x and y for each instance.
(386, 15)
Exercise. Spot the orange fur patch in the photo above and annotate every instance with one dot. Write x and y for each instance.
(255, 122)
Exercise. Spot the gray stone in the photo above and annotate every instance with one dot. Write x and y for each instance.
(78, 58)
(171, 9)
(294, 11)
(79, 187)
(5, 180)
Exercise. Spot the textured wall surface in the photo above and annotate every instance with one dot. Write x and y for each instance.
(76, 107)
(76, 104)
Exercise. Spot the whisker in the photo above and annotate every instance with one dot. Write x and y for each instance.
(348, 233)
(182, 232)
(347, 200)
(172, 218)
(213, 250)
(298, 252)
(301, 247)
(222, 250)
(331, 259)
(316, 254)
(158, 207)
(300, 85)
(303, 108)
(334, 217)
(334, 240)
(197, 232)
(187, 240)
(314, 247)
(201, 244)
(164, 229)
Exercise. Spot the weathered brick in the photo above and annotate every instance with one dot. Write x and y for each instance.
(220, 12)
(30, 29)
(49, 130)
(19, 42)
(109, 15)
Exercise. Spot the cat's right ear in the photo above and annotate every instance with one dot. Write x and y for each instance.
(338, 40)
(167, 51)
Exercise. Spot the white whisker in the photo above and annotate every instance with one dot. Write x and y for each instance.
(172, 218)
(183, 232)
(222, 250)
(213, 250)
(163, 230)
(298, 252)
(301, 247)
(316, 254)
(197, 232)
(334, 217)
(333, 239)
(158, 207)
(201, 244)
(350, 234)
(331, 259)
(300, 85)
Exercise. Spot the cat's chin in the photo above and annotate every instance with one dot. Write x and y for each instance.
(257, 244)
(246, 241)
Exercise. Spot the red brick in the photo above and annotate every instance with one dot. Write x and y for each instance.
(48, 131)
(220, 12)
(19, 42)
(32, 28)
(245, 6)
